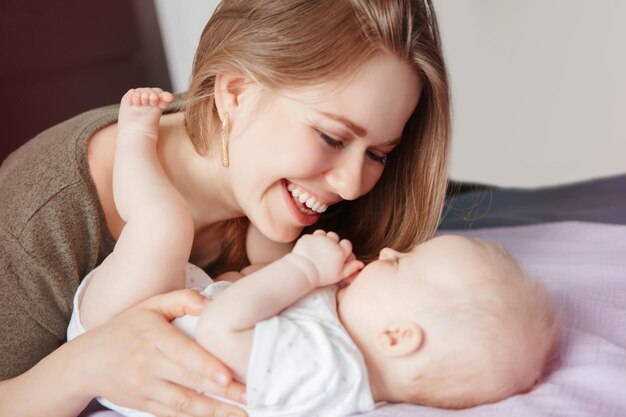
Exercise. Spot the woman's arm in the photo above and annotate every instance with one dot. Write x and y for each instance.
(46, 389)
(137, 360)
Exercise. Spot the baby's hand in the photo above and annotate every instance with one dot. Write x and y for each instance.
(333, 259)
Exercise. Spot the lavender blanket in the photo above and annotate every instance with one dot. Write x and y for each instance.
(583, 266)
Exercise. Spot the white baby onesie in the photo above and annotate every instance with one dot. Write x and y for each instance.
(303, 362)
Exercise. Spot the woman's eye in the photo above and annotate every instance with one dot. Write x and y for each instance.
(333, 143)
(376, 157)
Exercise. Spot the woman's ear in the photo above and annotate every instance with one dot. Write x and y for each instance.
(229, 90)
(400, 339)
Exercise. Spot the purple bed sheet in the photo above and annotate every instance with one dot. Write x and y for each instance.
(583, 266)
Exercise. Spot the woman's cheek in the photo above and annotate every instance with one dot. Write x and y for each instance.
(307, 160)
(371, 178)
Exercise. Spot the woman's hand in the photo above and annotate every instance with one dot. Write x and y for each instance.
(140, 360)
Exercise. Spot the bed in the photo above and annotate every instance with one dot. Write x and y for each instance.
(573, 238)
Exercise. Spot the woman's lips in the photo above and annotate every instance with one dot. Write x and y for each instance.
(302, 214)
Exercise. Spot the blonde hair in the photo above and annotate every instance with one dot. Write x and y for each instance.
(291, 43)
(490, 341)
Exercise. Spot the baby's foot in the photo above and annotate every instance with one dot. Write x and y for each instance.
(140, 111)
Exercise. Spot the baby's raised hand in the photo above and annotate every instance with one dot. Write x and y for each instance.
(332, 258)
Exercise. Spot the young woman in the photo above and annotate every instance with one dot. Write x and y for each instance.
(340, 104)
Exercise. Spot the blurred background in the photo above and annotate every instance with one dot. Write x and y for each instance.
(538, 86)
(61, 58)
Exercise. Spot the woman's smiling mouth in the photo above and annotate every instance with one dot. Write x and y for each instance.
(304, 206)
(305, 201)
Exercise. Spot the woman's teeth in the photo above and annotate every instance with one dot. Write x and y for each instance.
(309, 201)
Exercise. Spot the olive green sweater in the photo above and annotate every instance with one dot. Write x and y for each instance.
(52, 233)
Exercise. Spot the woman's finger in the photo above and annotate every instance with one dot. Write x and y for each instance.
(176, 400)
(177, 303)
(183, 350)
(172, 371)
(236, 392)
(159, 410)
(180, 348)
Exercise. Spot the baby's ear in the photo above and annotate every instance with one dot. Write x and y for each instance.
(400, 339)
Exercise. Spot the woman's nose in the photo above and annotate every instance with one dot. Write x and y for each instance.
(346, 179)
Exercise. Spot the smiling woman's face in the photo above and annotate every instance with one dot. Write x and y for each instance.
(297, 152)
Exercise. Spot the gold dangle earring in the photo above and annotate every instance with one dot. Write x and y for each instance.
(224, 135)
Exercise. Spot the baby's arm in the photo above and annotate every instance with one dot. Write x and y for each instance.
(226, 326)
(151, 252)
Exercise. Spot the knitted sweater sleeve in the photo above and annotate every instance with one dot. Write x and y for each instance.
(52, 233)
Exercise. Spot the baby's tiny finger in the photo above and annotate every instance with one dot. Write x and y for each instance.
(319, 232)
(350, 270)
(334, 236)
(346, 246)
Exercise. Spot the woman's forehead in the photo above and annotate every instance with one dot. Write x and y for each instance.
(374, 107)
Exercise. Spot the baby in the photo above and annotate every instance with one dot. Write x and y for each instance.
(453, 323)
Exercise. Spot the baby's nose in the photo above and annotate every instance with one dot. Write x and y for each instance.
(387, 253)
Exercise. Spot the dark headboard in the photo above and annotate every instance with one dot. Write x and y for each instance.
(61, 58)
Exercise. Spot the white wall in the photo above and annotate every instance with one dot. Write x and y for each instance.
(539, 89)
(181, 26)
(539, 86)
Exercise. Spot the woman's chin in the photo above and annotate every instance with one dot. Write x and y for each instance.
(280, 233)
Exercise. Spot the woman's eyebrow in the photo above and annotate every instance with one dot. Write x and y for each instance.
(356, 129)
(393, 142)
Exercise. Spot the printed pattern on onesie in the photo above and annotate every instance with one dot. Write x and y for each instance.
(304, 363)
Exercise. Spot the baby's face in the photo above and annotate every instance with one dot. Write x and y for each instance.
(402, 299)
(395, 285)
